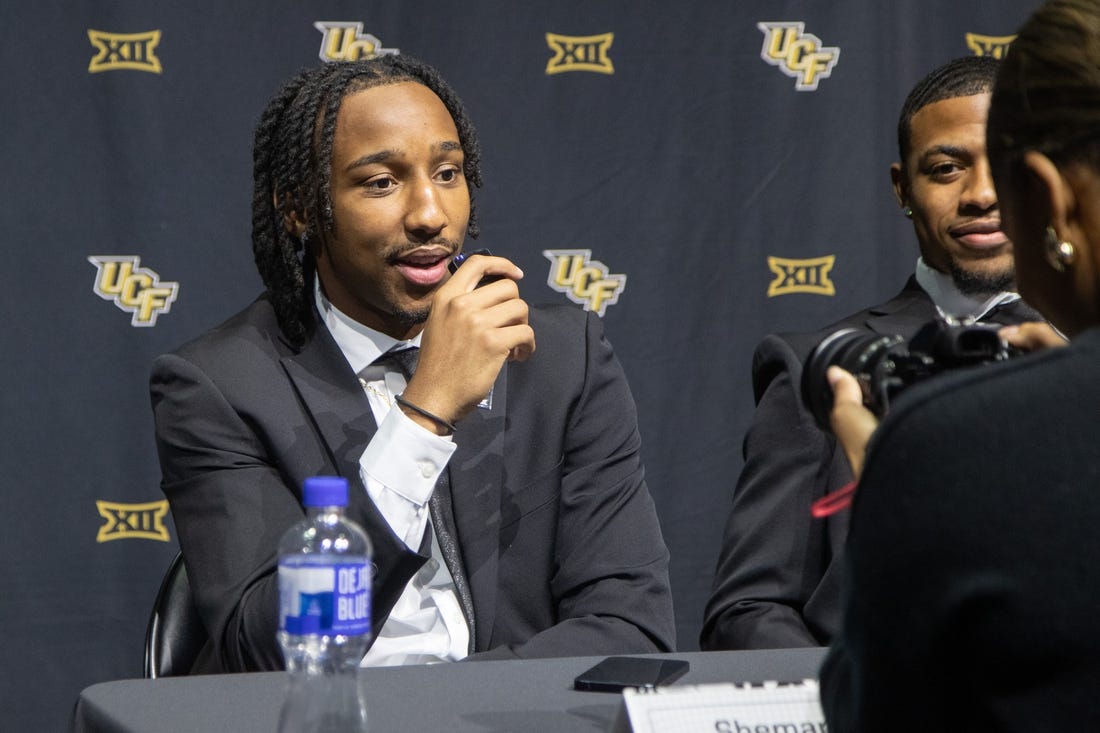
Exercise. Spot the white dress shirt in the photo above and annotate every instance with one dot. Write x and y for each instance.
(399, 468)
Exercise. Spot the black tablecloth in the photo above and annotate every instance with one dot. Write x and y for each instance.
(510, 696)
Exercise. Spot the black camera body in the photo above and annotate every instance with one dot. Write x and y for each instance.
(885, 365)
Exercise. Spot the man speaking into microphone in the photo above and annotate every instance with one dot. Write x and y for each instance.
(492, 448)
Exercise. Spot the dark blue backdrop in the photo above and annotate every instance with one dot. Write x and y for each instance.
(674, 148)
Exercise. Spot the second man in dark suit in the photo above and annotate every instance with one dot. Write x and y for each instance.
(778, 577)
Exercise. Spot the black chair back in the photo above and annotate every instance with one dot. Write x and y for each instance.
(175, 634)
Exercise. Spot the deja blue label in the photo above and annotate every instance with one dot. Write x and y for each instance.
(324, 599)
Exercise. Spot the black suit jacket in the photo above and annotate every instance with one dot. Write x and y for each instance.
(973, 555)
(557, 531)
(777, 582)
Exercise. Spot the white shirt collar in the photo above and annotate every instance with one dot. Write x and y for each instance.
(950, 301)
(360, 344)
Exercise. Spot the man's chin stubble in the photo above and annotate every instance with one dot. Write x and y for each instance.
(412, 317)
(982, 283)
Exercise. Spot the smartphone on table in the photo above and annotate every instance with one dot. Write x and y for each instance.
(615, 674)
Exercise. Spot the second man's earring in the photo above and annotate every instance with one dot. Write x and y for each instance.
(1060, 254)
(908, 212)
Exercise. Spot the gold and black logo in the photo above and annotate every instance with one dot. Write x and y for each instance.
(134, 289)
(801, 276)
(995, 46)
(580, 53)
(798, 54)
(135, 51)
(132, 521)
(584, 281)
(347, 42)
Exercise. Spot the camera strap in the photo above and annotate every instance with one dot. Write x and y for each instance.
(834, 501)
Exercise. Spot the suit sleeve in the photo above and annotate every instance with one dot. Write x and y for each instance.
(774, 554)
(610, 587)
(230, 507)
(235, 445)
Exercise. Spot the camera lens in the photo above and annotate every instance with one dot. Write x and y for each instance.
(858, 352)
(884, 365)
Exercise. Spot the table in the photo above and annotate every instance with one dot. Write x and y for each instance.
(506, 696)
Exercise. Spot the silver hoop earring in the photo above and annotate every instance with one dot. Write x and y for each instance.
(1060, 254)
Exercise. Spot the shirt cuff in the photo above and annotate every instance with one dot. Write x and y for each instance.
(405, 458)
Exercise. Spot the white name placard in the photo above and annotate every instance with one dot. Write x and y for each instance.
(723, 708)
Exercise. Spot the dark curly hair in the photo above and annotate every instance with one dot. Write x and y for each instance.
(292, 168)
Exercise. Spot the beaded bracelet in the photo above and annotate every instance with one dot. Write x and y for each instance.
(434, 418)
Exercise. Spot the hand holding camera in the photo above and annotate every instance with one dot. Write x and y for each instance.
(885, 365)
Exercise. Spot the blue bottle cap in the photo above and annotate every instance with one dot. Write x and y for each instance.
(325, 491)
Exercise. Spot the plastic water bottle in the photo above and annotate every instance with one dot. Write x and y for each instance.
(324, 613)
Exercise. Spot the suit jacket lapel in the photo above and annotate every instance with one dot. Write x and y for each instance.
(904, 314)
(342, 416)
(477, 473)
(334, 399)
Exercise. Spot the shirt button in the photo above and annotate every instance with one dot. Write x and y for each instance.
(426, 469)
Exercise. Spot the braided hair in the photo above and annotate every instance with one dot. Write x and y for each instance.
(962, 77)
(292, 170)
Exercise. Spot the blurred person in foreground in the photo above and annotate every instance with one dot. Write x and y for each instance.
(501, 485)
(974, 553)
(779, 573)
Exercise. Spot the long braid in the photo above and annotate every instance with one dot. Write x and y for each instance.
(276, 252)
(292, 165)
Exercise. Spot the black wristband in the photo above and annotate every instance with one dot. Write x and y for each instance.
(434, 418)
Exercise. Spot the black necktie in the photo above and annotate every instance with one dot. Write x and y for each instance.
(1012, 313)
(404, 360)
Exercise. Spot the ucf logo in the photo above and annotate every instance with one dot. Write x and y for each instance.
(583, 280)
(347, 42)
(995, 46)
(134, 289)
(132, 521)
(801, 276)
(797, 54)
(580, 53)
(124, 51)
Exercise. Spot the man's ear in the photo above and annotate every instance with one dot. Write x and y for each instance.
(293, 221)
(897, 180)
